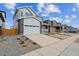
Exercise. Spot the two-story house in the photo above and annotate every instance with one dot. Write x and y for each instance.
(26, 21)
(51, 26)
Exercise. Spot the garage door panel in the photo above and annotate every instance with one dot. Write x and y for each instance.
(31, 30)
(32, 26)
(27, 30)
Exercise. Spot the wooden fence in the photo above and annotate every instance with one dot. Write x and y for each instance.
(9, 32)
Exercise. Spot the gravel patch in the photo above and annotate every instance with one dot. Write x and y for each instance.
(17, 45)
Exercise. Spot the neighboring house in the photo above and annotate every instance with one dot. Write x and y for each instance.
(46, 26)
(26, 21)
(69, 29)
(56, 27)
(51, 26)
(65, 28)
(72, 29)
(2, 20)
(75, 30)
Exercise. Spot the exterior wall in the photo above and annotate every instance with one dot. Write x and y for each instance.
(41, 27)
(15, 23)
(20, 26)
(52, 30)
(54, 23)
(1, 22)
(23, 11)
(46, 26)
(45, 29)
(55, 27)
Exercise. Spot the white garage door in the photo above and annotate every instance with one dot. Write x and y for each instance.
(31, 26)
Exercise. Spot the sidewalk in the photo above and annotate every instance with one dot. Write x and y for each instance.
(72, 50)
(55, 48)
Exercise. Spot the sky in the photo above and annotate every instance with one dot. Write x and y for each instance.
(66, 13)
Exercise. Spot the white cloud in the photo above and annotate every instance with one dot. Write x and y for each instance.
(76, 6)
(47, 8)
(10, 5)
(40, 6)
(74, 9)
(52, 8)
(44, 14)
(66, 21)
(74, 16)
(66, 16)
(58, 19)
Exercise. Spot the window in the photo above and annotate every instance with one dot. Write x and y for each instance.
(21, 13)
(25, 13)
(31, 26)
(28, 14)
(26, 25)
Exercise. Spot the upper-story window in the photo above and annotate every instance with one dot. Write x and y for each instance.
(22, 14)
(25, 13)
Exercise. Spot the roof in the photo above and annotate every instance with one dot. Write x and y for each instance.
(30, 10)
(3, 12)
(22, 8)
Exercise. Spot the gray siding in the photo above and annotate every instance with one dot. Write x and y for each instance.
(20, 26)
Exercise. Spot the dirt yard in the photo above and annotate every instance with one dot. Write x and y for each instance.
(77, 40)
(16, 45)
(59, 36)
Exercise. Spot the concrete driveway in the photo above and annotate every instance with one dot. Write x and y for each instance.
(51, 46)
(42, 40)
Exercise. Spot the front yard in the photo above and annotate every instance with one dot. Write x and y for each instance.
(61, 36)
(16, 45)
(77, 40)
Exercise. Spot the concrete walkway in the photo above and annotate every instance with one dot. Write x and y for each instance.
(50, 46)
